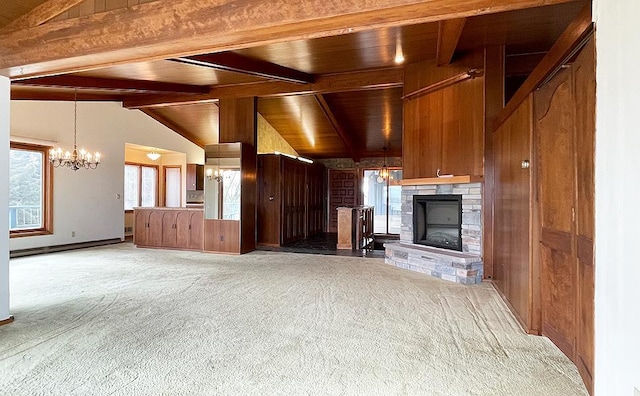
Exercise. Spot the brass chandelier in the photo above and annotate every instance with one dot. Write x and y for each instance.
(75, 159)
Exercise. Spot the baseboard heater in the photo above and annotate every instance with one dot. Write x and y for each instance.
(62, 248)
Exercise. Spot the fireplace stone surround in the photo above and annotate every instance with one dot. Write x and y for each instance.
(462, 267)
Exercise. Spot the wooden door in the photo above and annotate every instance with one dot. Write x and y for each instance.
(196, 230)
(182, 225)
(515, 273)
(315, 199)
(155, 227)
(585, 94)
(141, 227)
(293, 200)
(343, 191)
(269, 200)
(556, 147)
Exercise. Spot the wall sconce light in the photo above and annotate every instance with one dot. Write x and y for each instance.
(214, 175)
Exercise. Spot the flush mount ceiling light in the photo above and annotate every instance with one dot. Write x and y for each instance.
(154, 155)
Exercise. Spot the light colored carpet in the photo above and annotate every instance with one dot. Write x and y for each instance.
(118, 320)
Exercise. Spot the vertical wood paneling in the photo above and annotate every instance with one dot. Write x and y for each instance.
(115, 4)
(100, 5)
(494, 103)
(513, 267)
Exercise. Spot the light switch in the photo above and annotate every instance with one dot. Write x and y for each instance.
(117, 196)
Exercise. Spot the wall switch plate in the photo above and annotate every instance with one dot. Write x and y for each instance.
(73, 234)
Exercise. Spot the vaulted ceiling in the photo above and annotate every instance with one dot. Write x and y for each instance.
(329, 97)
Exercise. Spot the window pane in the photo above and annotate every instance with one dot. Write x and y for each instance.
(173, 187)
(149, 188)
(25, 189)
(375, 194)
(231, 195)
(131, 192)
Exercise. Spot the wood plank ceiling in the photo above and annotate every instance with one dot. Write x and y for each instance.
(329, 97)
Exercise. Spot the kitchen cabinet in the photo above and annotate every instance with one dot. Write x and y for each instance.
(195, 177)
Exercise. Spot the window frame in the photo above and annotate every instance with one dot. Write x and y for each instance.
(141, 165)
(47, 191)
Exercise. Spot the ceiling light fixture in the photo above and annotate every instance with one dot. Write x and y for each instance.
(76, 159)
(154, 155)
(383, 174)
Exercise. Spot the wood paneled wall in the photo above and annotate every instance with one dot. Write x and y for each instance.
(444, 129)
(515, 272)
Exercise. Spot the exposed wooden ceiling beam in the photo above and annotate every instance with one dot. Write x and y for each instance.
(327, 83)
(173, 28)
(237, 63)
(41, 14)
(345, 137)
(449, 32)
(136, 86)
(173, 126)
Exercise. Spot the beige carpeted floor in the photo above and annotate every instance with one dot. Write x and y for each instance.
(124, 321)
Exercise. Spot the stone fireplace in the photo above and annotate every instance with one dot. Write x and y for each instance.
(462, 267)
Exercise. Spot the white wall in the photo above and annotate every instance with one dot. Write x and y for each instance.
(617, 297)
(4, 197)
(85, 201)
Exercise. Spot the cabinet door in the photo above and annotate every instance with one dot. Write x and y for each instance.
(182, 225)
(191, 177)
(169, 229)
(155, 228)
(196, 230)
(269, 204)
(141, 227)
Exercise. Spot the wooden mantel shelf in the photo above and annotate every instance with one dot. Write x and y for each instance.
(442, 180)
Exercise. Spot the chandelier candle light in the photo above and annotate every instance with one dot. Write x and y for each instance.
(76, 159)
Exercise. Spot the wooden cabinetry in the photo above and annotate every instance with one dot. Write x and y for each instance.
(168, 228)
(195, 177)
(222, 236)
(443, 129)
(290, 199)
(343, 191)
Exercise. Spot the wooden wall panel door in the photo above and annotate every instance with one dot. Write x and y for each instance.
(585, 94)
(269, 200)
(293, 200)
(515, 272)
(343, 191)
(556, 150)
(315, 199)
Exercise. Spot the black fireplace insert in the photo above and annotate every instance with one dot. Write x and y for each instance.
(437, 221)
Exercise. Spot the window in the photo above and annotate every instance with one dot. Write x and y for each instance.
(140, 185)
(231, 194)
(30, 190)
(384, 196)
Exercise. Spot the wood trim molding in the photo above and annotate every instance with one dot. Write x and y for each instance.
(6, 321)
(449, 33)
(471, 74)
(571, 38)
(157, 30)
(441, 180)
